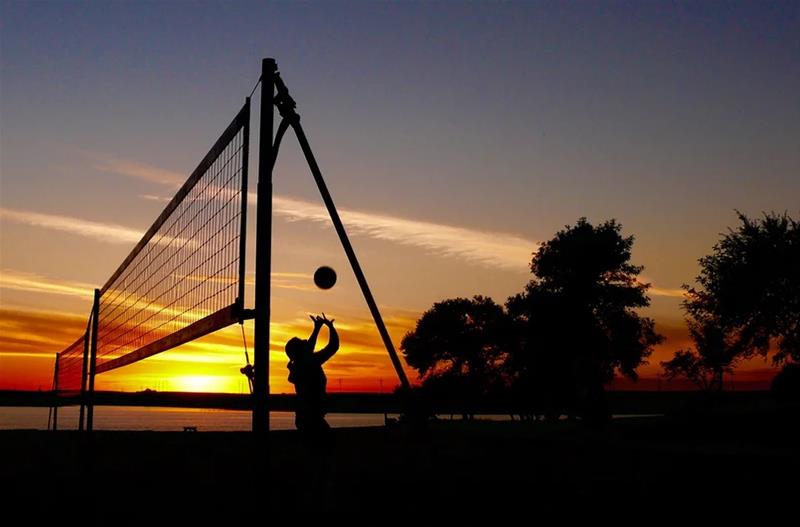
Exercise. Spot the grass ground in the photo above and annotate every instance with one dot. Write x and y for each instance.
(454, 468)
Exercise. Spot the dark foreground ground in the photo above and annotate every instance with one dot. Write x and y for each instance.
(723, 461)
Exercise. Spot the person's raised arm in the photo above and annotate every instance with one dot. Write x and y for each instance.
(318, 323)
(333, 342)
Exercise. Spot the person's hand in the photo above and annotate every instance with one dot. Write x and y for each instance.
(318, 321)
(325, 321)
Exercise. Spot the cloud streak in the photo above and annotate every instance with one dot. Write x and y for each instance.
(105, 232)
(126, 167)
(38, 332)
(491, 249)
(669, 292)
(475, 246)
(280, 280)
(30, 282)
(663, 291)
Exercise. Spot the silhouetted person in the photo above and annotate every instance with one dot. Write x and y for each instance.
(305, 372)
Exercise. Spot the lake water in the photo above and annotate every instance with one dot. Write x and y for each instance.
(166, 419)
(174, 419)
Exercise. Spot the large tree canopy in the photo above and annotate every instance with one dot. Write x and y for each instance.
(585, 276)
(590, 264)
(747, 301)
(580, 312)
(573, 327)
(750, 284)
(460, 335)
(457, 348)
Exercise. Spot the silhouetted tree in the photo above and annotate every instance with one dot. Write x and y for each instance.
(582, 326)
(750, 284)
(457, 349)
(713, 356)
(523, 388)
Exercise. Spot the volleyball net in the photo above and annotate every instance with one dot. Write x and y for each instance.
(185, 277)
(70, 368)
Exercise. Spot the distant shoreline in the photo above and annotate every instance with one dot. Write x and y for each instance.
(342, 402)
(620, 402)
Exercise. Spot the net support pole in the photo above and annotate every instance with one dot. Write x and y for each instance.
(92, 363)
(286, 107)
(348, 249)
(243, 219)
(84, 373)
(55, 395)
(263, 269)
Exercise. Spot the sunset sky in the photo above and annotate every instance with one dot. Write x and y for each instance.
(454, 136)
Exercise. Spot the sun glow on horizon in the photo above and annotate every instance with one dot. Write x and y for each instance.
(30, 339)
(201, 383)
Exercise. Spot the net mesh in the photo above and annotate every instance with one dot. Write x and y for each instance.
(187, 266)
(70, 367)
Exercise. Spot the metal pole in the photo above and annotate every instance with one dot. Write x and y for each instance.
(92, 362)
(55, 393)
(263, 253)
(84, 372)
(348, 249)
(243, 225)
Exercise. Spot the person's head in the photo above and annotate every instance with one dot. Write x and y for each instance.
(296, 347)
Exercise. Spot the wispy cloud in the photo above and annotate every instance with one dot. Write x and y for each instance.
(106, 232)
(663, 291)
(493, 249)
(475, 246)
(126, 167)
(656, 290)
(36, 283)
(40, 332)
(280, 280)
(153, 197)
(30, 282)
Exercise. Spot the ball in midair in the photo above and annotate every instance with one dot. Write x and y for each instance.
(325, 277)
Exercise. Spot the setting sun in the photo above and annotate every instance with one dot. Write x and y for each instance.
(202, 383)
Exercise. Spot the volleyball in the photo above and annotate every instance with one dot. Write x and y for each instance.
(325, 277)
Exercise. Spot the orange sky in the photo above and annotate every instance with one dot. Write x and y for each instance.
(29, 339)
(50, 264)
